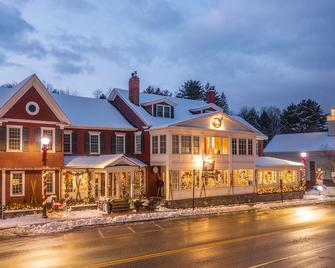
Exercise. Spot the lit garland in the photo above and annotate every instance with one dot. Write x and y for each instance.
(285, 189)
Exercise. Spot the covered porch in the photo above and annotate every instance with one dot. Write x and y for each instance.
(93, 178)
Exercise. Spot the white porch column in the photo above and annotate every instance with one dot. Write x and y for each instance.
(230, 170)
(106, 183)
(132, 173)
(3, 193)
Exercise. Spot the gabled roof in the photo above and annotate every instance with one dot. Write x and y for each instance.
(91, 112)
(181, 110)
(265, 161)
(101, 161)
(301, 142)
(163, 99)
(9, 96)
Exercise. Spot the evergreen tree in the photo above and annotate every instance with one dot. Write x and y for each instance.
(273, 127)
(251, 116)
(223, 103)
(307, 116)
(191, 89)
(157, 91)
(264, 122)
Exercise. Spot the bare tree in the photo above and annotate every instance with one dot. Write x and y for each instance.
(328, 153)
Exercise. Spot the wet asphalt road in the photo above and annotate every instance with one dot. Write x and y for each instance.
(293, 237)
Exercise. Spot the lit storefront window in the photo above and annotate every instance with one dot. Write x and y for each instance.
(216, 145)
(219, 179)
(243, 177)
(289, 176)
(266, 177)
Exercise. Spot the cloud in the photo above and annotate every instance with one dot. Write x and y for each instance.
(15, 32)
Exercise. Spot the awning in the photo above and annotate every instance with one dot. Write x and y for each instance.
(266, 161)
(101, 161)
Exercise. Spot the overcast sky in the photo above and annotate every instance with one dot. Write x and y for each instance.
(259, 52)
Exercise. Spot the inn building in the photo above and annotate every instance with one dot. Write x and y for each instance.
(128, 146)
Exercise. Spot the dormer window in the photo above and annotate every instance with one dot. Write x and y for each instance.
(163, 111)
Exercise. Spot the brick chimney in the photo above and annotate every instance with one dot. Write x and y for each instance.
(134, 88)
(210, 96)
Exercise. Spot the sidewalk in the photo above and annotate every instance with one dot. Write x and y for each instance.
(66, 221)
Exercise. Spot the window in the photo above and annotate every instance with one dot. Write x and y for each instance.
(120, 143)
(266, 177)
(14, 138)
(181, 180)
(49, 133)
(163, 111)
(242, 177)
(162, 144)
(50, 182)
(186, 144)
(17, 183)
(68, 142)
(224, 145)
(94, 143)
(196, 145)
(216, 145)
(242, 147)
(32, 108)
(175, 144)
(234, 146)
(154, 144)
(218, 179)
(138, 142)
(289, 176)
(250, 149)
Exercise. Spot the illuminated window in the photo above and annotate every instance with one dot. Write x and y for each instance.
(50, 182)
(332, 112)
(17, 183)
(243, 177)
(218, 179)
(216, 145)
(267, 177)
(183, 180)
(289, 176)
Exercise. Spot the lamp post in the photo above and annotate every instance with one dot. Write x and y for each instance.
(45, 143)
(303, 156)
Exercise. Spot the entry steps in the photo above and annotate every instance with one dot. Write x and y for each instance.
(120, 205)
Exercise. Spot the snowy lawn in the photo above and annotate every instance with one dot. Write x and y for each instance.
(66, 221)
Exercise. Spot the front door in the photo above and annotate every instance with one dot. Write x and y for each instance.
(119, 185)
(99, 185)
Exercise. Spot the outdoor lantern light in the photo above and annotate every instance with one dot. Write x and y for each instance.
(303, 154)
(45, 141)
(217, 122)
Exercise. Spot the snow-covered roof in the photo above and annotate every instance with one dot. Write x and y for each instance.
(91, 112)
(181, 113)
(260, 135)
(7, 92)
(100, 161)
(301, 142)
(265, 161)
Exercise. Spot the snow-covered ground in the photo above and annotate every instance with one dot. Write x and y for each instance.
(66, 221)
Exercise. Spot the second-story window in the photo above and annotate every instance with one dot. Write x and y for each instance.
(175, 144)
(196, 145)
(138, 142)
(186, 144)
(154, 145)
(250, 147)
(14, 138)
(67, 142)
(50, 179)
(162, 144)
(120, 143)
(234, 146)
(163, 111)
(94, 143)
(242, 146)
(49, 133)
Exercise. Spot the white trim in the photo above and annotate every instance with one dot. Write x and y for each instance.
(3, 182)
(137, 134)
(53, 138)
(53, 183)
(94, 133)
(124, 142)
(36, 106)
(23, 183)
(21, 138)
(68, 132)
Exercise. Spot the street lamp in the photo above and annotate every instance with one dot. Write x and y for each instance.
(45, 143)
